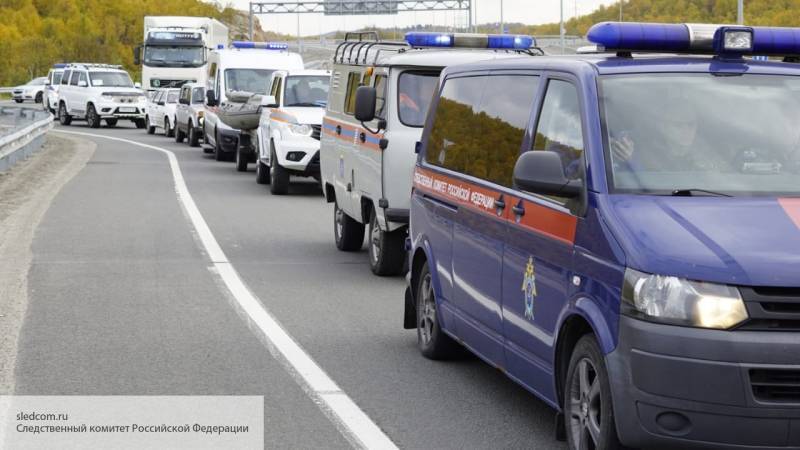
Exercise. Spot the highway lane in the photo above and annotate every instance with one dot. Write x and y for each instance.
(122, 302)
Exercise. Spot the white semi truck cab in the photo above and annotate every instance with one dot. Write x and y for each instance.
(175, 49)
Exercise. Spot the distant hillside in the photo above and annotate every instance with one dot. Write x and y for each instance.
(37, 33)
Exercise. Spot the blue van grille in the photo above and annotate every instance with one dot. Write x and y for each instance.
(771, 309)
(775, 385)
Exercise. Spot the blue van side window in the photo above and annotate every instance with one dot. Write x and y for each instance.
(480, 124)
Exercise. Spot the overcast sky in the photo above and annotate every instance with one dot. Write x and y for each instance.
(525, 11)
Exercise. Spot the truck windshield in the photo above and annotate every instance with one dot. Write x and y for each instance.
(306, 91)
(414, 94)
(115, 79)
(247, 80)
(683, 133)
(174, 56)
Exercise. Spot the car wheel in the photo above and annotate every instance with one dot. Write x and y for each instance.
(386, 249)
(194, 136)
(433, 343)
(278, 175)
(38, 98)
(140, 123)
(262, 173)
(169, 129)
(18, 100)
(92, 119)
(179, 135)
(348, 234)
(63, 117)
(151, 129)
(111, 122)
(588, 410)
(219, 155)
(241, 160)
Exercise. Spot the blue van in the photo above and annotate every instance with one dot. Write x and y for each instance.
(619, 233)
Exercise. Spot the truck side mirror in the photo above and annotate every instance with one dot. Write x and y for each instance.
(541, 172)
(268, 101)
(366, 97)
(211, 99)
(137, 55)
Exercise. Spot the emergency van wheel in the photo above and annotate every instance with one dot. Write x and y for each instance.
(38, 98)
(169, 130)
(241, 161)
(588, 412)
(194, 136)
(348, 233)
(151, 129)
(92, 119)
(386, 249)
(262, 173)
(432, 341)
(63, 117)
(178, 134)
(279, 178)
(111, 122)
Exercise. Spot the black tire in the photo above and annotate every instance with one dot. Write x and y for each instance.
(39, 97)
(169, 130)
(194, 136)
(63, 118)
(92, 119)
(219, 154)
(588, 410)
(433, 343)
(111, 122)
(386, 249)
(19, 100)
(348, 234)
(262, 173)
(241, 160)
(140, 123)
(279, 176)
(179, 135)
(151, 129)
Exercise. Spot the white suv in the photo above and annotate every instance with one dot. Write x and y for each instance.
(189, 113)
(289, 128)
(96, 92)
(160, 111)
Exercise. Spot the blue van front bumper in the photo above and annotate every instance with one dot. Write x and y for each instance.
(678, 387)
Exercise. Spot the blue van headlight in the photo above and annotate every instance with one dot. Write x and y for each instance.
(679, 301)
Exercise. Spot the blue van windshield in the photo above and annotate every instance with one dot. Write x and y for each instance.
(735, 135)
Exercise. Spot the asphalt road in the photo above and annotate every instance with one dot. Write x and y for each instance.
(122, 300)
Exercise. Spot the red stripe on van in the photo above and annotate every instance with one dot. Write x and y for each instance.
(792, 208)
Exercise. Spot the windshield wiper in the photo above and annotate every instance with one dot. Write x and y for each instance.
(692, 192)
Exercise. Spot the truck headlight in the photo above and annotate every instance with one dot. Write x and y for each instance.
(682, 302)
(301, 129)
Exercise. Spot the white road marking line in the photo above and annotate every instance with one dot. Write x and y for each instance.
(354, 424)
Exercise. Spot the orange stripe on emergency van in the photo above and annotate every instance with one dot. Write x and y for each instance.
(792, 208)
(538, 218)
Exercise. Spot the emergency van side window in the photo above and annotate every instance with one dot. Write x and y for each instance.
(353, 82)
(65, 77)
(480, 124)
(559, 128)
(380, 98)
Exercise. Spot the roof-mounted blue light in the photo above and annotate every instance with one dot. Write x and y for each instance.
(260, 45)
(695, 38)
(463, 40)
(59, 65)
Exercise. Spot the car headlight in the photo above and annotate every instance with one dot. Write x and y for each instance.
(301, 129)
(682, 302)
(107, 97)
(199, 114)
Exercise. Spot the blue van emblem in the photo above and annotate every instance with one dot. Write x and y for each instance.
(529, 288)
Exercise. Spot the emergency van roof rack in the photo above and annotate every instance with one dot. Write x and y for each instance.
(358, 43)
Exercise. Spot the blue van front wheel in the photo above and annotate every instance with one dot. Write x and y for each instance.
(588, 410)
(432, 341)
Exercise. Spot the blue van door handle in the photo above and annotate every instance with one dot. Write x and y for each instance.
(338, 129)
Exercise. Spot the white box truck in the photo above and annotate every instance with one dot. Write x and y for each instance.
(176, 48)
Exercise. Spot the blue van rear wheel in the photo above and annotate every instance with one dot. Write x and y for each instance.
(433, 342)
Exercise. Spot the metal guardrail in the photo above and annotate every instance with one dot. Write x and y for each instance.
(22, 133)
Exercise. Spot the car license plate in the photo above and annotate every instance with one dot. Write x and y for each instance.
(127, 110)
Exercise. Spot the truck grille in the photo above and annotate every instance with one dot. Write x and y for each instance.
(772, 309)
(775, 385)
(317, 130)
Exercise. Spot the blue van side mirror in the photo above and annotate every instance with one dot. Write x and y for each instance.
(541, 172)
